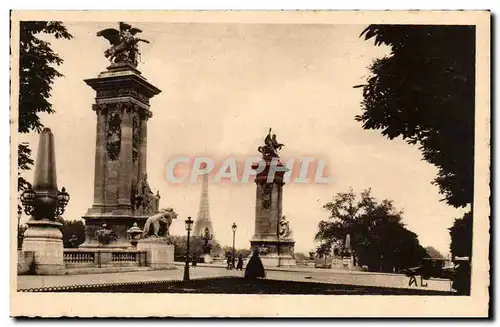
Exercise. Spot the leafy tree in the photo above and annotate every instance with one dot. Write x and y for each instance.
(301, 256)
(70, 228)
(424, 92)
(324, 248)
(243, 252)
(379, 239)
(461, 246)
(461, 237)
(237, 252)
(36, 76)
(433, 253)
(195, 246)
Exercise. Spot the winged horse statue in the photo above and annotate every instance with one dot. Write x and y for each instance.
(124, 44)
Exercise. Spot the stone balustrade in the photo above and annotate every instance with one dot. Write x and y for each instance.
(79, 257)
(102, 257)
(153, 254)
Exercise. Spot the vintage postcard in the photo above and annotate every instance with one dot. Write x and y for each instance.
(250, 163)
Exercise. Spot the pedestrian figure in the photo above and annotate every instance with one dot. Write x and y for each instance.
(229, 261)
(240, 263)
(255, 268)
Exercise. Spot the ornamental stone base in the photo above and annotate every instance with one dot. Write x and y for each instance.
(274, 252)
(44, 239)
(207, 258)
(160, 253)
(275, 260)
(119, 224)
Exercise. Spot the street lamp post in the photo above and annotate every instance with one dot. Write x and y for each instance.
(233, 227)
(188, 223)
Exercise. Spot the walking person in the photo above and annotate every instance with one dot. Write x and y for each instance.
(240, 263)
(229, 261)
(255, 268)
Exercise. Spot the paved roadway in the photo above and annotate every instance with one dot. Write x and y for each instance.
(292, 274)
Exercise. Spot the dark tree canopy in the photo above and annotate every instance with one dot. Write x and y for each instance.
(70, 228)
(36, 72)
(36, 76)
(237, 252)
(299, 256)
(196, 244)
(461, 236)
(424, 92)
(378, 236)
(433, 253)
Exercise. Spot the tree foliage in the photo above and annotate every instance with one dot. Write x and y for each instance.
(461, 236)
(461, 246)
(379, 239)
(70, 228)
(237, 252)
(299, 256)
(433, 253)
(424, 92)
(36, 76)
(195, 246)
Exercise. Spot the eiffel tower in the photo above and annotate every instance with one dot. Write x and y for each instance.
(203, 221)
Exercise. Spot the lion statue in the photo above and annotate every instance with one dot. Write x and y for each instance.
(163, 216)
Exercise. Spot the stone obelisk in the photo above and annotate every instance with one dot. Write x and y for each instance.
(122, 194)
(43, 236)
(272, 237)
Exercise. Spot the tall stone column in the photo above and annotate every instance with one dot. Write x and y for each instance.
(100, 161)
(125, 169)
(122, 104)
(143, 147)
(273, 249)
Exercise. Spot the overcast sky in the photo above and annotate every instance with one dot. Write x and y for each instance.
(223, 86)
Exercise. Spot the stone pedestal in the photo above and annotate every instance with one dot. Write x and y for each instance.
(344, 263)
(273, 250)
(122, 110)
(160, 253)
(44, 239)
(207, 258)
(275, 260)
(119, 224)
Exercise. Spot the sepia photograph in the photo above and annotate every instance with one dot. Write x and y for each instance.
(250, 164)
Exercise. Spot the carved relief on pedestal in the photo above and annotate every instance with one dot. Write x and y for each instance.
(267, 189)
(100, 108)
(113, 137)
(135, 138)
(114, 93)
